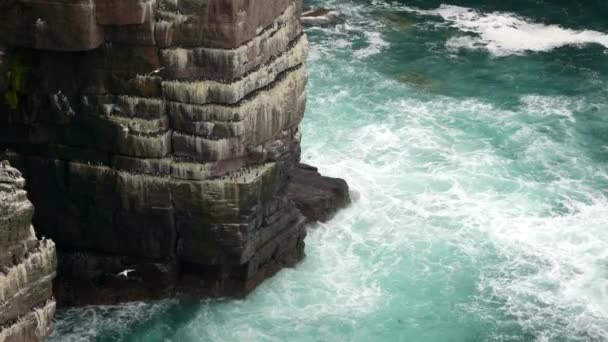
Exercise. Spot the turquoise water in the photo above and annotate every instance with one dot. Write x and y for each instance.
(475, 142)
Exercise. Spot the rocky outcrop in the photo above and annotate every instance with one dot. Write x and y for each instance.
(27, 265)
(317, 197)
(157, 135)
(321, 17)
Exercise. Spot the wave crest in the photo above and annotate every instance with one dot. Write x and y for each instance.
(504, 34)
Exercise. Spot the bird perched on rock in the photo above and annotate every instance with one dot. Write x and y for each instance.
(125, 273)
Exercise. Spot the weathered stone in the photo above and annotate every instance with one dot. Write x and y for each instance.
(221, 64)
(125, 106)
(120, 13)
(65, 25)
(203, 92)
(214, 217)
(132, 22)
(27, 283)
(33, 326)
(252, 122)
(147, 166)
(158, 135)
(284, 250)
(147, 146)
(16, 225)
(27, 265)
(316, 196)
(125, 59)
(223, 24)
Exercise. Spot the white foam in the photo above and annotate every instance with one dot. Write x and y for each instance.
(112, 321)
(376, 44)
(505, 34)
(425, 183)
(357, 27)
(545, 106)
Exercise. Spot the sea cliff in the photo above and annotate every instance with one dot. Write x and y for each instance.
(159, 137)
(27, 265)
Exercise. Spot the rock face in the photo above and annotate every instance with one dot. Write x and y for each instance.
(317, 197)
(27, 265)
(157, 135)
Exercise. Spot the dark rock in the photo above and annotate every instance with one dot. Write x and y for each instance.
(90, 278)
(320, 17)
(4, 74)
(65, 25)
(316, 196)
(156, 135)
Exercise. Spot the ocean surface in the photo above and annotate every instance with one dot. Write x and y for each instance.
(474, 136)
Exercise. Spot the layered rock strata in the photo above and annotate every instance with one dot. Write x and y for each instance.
(158, 136)
(27, 265)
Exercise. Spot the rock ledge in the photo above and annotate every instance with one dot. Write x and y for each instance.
(317, 197)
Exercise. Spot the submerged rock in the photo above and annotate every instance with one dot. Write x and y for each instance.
(27, 265)
(321, 17)
(419, 80)
(399, 20)
(317, 197)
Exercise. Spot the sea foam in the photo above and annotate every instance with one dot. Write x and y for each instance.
(376, 44)
(504, 34)
(473, 221)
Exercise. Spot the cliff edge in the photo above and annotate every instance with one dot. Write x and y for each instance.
(157, 136)
(27, 265)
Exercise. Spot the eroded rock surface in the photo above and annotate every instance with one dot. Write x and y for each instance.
(27, 265)
(317, 197)
(157, 135)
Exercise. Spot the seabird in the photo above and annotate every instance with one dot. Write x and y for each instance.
(125, 130)
(155, 72)
(125, 273)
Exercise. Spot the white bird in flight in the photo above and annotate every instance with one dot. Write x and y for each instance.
(154, 72)
(125, 273)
